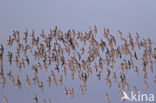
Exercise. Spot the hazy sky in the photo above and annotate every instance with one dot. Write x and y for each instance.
(125, 15)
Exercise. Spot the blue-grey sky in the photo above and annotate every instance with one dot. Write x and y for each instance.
(125, 15)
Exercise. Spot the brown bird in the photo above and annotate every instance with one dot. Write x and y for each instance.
(71, 93)
(41, 86)
(61, 80)
(54, 78)
(12, 79)
(28, 81)
(3, 82)
(82, 90)
(135, 90)
(10, 41)
(18, 82)
(5, 100)
(44, 101)
(114, 76)
(145, 84)
(145, 74)
(26, 36)
(154, 79)
(95, 29)
(50, 101)
(120, 33)
(127, 85)
(43, 34)
(107, 98)
(136, 70)
(10, 57)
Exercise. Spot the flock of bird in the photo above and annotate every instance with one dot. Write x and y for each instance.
(76, 55)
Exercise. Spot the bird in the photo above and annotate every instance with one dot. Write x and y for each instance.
(41, 86)
(44, 101)
(66, 91)
(5, 99)
(36, 99)
(120, 33)
(27, 59)
(128, 86)
(136, 70)
(49, 81)
(18, 82)
(145, 84)
(3, 82)
(71, 93)
(10, 56)
(154, 79)
(28, 81)
(10, 41)
(50, 101)
(42, 34)
(95, 29)
(82, 90)
(145, 74)
(54, 78)
(115, 77)
(61, 80)
(136, 90)
(107, 98)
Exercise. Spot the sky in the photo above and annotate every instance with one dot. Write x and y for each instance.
(124, 15)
